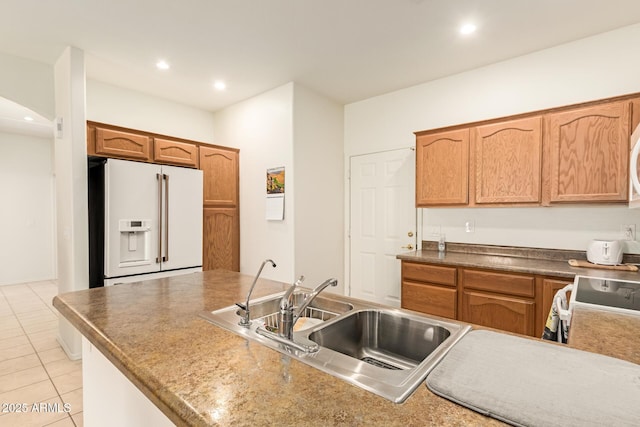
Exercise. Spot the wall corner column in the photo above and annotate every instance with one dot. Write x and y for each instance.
(71, 186)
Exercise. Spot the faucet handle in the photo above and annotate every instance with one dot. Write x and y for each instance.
(284, 302)
(242, 306)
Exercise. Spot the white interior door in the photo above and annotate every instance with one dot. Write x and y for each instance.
(382, 222)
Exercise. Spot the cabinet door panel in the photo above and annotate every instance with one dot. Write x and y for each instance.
(442, 162)
(220, 169)
(425, 298)
(588, 153)
(175, 153)
(508, 161)
(549, 289)
(500, 312)
(115, 143)
(221, 239)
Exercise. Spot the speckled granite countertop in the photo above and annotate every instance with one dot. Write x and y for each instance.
(606, 332)
(200, 375)
(545, 262)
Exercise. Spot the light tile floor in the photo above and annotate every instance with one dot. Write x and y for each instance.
(35, 373)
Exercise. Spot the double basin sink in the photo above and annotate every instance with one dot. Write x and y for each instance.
(384, 350)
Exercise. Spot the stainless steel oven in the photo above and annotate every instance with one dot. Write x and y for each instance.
(601, 293)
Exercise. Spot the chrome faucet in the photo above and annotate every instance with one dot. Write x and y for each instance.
(245, 320)
(287, 318)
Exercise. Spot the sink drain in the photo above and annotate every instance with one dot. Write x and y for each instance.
(379, 363)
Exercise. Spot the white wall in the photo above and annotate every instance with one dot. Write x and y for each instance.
(127, 108)
(28, 83)
(589, 69)
(319, 201)
(27, 251)
(27, 232)
(262, 128)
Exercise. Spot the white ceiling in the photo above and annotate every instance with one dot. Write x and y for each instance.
(348, 50)
(12, 120)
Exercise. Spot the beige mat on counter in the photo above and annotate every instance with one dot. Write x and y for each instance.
(528, 382)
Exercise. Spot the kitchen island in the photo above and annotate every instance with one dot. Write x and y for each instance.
(198, 374)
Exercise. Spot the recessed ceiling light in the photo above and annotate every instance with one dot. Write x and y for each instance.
(220, 85)
(468, 29)
(28, 118)
(162, 65)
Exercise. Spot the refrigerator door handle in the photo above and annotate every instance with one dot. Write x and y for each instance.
(166, 217)
(159, 257)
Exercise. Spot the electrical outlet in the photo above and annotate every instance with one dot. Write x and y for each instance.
(628, 231)
(470, 226)
(435, 231)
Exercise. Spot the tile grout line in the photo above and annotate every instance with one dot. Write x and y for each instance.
(34, 349)
(48, 375)
(50, 379)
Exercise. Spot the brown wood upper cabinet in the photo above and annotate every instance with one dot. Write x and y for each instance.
(442, 165)
(175, 152)
(588, 153)
(116, 143)
(507, 161)
(572, 154)
(220, 167)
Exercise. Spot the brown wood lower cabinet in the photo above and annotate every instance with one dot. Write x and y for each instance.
(512, 302)
(549, 289)
(429, 289)
(221, 246)
(499, 311)
(429, 299)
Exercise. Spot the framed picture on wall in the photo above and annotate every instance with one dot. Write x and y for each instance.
(275, 194)
(275, 180)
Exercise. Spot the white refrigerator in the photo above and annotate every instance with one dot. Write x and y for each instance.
(152, 221)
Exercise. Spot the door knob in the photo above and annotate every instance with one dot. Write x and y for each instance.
(409, 246)
(410, 234)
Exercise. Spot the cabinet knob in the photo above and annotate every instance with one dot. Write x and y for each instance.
(409, 246)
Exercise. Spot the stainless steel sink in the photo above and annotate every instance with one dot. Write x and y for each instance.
(264, 312)
(384, 350)
(383, 339)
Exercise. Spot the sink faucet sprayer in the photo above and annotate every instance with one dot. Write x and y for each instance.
(287, 317)
(245, 320)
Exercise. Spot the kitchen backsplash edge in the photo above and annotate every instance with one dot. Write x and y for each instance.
(519, 252)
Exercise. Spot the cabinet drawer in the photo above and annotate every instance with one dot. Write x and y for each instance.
(499, 312)
(499, 282)
(436, 300)
(122, 144)
(175, 153)
(429, 273)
